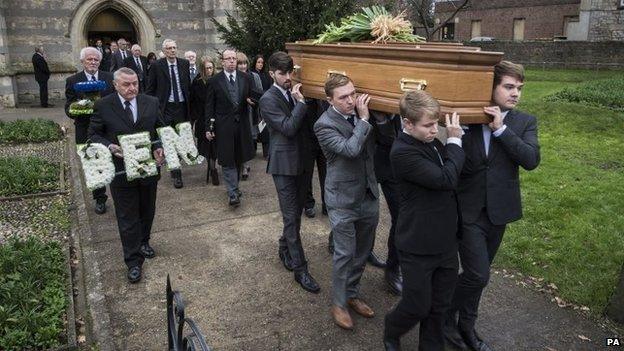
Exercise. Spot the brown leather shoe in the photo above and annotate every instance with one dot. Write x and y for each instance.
(342, 317)
(361, 308)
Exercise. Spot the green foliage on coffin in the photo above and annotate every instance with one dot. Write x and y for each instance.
(29, 131)
(32, 294)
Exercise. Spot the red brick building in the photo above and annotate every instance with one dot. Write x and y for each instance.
(509, 19)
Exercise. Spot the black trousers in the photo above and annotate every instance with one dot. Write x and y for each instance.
(392, 193)
(291, 191)
(43, 93)
(428, 283)
(81, 125)
(175, 112)
(134, 209)
(479, 244)
(316, 156)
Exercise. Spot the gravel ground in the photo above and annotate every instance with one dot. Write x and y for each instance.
(51, 151)
(47, 218)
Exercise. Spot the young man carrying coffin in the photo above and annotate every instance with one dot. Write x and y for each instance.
(128, 112)
(428, 225)
(489, 196)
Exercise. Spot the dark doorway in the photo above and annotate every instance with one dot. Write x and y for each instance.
(110, 25)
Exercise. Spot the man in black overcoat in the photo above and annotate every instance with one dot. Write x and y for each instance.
(42, 74)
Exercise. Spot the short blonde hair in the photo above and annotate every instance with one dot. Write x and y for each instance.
(416, 104)
(241, 58)
(335, 80)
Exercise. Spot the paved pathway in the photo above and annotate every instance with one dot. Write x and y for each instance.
(225, 264)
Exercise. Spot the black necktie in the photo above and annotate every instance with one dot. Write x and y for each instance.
(290, 99)
(351, 120)
(174, 84)
(232, 79)
(92, 77)
(123, 54)
(138, 63)
(192, 72)
(128, 111)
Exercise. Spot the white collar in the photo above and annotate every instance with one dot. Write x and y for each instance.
(228, 74)
(89, 75)
(340, 113)
(133, 102)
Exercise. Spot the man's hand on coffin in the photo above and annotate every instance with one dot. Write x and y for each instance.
(210, 135)
(116, 150)
(296, 93)
(159, 156)
(361, 104)
(495, 112)
(453, 129)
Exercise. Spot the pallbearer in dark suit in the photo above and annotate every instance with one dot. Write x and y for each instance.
(227, 101)
(90, 58)
(313, 155)
(42, 74)
(489, 195)
(137, 63)
(284, 110)
(428, 225)
(135, 201)
(169, 82)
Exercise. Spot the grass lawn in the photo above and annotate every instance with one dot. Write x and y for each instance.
(572, 233)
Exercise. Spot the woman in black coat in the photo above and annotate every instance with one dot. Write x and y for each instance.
(197, 101)
(258, 67)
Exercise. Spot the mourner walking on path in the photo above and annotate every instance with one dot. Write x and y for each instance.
(42, 74)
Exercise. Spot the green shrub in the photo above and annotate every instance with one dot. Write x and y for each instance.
(29, 131)
(27, 175)
(607, 93)
(32, 294)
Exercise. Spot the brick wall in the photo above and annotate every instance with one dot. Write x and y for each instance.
(561, 54)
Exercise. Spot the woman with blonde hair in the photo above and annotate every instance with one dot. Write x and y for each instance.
(197, 102)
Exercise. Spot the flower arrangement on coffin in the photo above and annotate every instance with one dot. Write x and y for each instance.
(179, 144)
(91, 90)
(97, 163)
(137, 155)
(373, 23)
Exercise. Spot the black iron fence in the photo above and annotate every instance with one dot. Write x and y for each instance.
(176, 321)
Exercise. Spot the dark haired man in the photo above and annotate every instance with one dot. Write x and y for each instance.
(489, 195)
(351, 192)
(283, 108)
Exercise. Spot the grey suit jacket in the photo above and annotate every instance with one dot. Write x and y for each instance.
(285, 129)
(350, 159)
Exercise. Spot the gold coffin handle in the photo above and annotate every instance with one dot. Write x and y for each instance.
(408, 84)
(297, 68)
(335, 71)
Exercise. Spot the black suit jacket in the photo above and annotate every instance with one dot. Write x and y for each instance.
(71, 95)
(130, 62)
(385, 134)
(429, 219)
(231, 118)
(492, 182)
(40, 66)
(116, 60)
(109, 122)
(159, 81)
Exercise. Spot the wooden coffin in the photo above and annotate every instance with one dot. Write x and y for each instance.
(459, 77)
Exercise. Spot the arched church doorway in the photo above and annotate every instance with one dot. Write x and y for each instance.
(111, 25)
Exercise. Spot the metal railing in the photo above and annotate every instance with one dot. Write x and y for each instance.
(194, 341)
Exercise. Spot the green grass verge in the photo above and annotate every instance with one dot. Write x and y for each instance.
(572, 231)
(27, 175)
(32, 295)
(29, 131)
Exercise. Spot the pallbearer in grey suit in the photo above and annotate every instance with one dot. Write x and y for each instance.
(351, 192)
(284, 111)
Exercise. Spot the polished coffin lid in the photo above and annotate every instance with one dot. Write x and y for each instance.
(460, 77)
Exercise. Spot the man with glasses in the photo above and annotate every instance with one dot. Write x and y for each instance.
(120, 55)
(169, 81)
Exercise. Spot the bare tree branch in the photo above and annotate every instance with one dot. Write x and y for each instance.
(463, 5)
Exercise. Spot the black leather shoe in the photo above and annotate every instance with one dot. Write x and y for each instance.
(310, 212)
(147, 251)
(100, 207)
(375, 261)
(324, 210)
(214, 174)
(330, 244)
(286, 260)
(239, 193)
(473, 341)
(394, 280)
(452, 337)
(134, 274)
(391, 344)
(234, 201)
(307, 282)
(177, 183)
